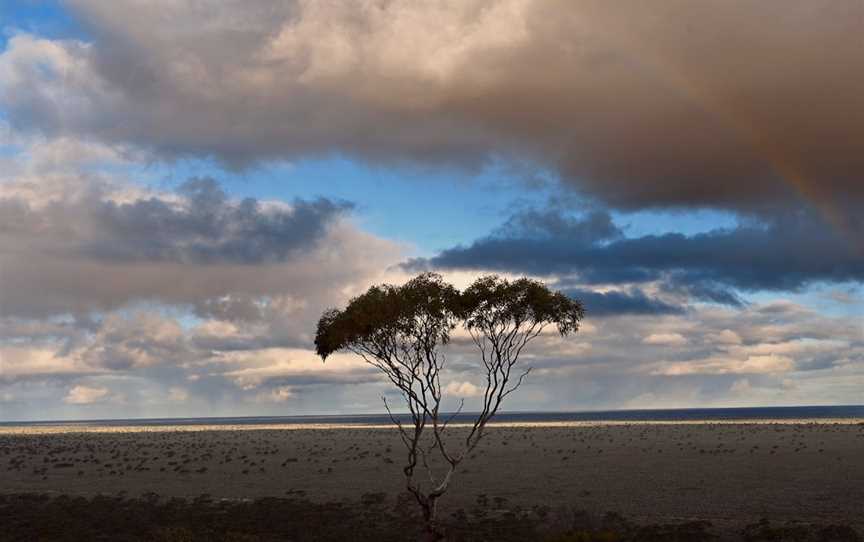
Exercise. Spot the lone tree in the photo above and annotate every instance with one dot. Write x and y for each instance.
(401, 330)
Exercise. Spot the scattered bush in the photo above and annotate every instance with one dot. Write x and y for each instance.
(764, 531)
(154, 519)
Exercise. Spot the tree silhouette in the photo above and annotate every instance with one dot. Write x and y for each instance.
(401, 331)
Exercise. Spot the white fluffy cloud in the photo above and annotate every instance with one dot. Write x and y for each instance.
(85, 395)
(462, 389)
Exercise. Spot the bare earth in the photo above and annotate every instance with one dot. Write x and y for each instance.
(725, 473)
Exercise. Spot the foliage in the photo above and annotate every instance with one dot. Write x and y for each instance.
(386, 319)
(493, 303)
(400, 329)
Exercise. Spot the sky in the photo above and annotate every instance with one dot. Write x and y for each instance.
(186, 186)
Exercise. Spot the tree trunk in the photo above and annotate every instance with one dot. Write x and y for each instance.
(432, 532)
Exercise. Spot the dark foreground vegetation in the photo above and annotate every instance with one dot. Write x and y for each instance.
(374, 518)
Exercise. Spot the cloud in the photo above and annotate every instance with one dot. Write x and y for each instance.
(665, 339)
(718, 366)
(276, 367)
(635, 106)
(104, 280)
(849, 296)
(594, 227)
(727, 336)
(462, 389)
(606, 365)
(616, 303)
(639, 106)
(276, 395)
(195, 246)
(25, 358)
(178, 395)
(136, 342)
(197, 225)
(706, 266)
(740, 386)
(85, 395)
(205, 228)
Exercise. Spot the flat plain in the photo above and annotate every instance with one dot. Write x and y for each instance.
(726, 473)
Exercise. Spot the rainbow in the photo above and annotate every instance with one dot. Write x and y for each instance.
(784, 164)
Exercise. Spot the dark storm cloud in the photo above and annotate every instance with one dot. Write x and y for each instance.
(703, 291)
(208, 228)
(203, 227)
(594, 227)
(787, 253)
(600, 304)
(737, 104)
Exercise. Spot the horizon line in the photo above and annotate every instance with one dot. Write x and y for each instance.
(444, 414)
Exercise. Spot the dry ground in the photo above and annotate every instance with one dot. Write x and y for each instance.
(728, 474)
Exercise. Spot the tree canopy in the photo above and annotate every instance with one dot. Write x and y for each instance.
(376, 322)
(372, 321)
(493, 301)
